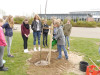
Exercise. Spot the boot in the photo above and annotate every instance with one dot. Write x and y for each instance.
(3, 68)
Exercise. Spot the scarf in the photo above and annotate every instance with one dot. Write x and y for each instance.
(26, 25)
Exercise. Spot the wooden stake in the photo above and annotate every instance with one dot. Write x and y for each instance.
(50, 47)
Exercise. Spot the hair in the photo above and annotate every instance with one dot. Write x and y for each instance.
(37, 16)
(61, 23)
(57, 22)
(11, 23)
(53, 21)
(45, 20)
(26, 19)
(1, 20)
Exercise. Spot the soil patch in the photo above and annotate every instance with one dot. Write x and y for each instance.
(56, 67)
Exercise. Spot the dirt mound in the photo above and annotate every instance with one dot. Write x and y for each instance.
(55, 68)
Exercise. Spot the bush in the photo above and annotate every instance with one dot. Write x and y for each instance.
(30, 20)
(90, 24)
(49, 22)
(65, 21)
(18, 20)
(98, 24)
(83, 24)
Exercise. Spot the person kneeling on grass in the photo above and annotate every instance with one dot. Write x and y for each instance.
(60, 40)
(25, 31)
(2, 45)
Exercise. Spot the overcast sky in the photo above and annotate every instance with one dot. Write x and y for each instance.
(27, 7)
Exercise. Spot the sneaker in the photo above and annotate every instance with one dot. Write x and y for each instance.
(26, 51)
(66, 58)
(35, 49)
(4, 61)
(68, 48)
(58, 58)
(10, 56)
(47, 45)
(39, 48)
(3, 68)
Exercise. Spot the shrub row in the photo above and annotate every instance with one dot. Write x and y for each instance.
(84, 24)
(19, 20)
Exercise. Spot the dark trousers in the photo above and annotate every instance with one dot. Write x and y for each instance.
(25, 39)
(45, 38)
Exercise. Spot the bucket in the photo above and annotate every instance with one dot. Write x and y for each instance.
(83, 66)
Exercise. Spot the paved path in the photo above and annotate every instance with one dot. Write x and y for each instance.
(79, 32)
(85, 32)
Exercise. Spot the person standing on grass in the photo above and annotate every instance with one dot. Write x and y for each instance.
(2, 46)
(37, 29)
(67, 30)
(55, 31)
(60, 40)
(8, 26)
(25, 31)
(45, 33)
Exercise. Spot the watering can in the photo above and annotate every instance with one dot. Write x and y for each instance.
(54, 42)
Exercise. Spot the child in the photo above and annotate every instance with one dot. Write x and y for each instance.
(45, 33)
(67, 30)
(2, 45)
(25, 31)
(9, 33)
(60, 40)
(37, 28)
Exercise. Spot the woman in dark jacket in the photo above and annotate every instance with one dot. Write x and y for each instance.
(9, 33)
(25, 31)
(37, 28)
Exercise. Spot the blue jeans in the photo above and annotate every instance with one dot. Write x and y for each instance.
(60, 51)
(67, 37)
(37, 35)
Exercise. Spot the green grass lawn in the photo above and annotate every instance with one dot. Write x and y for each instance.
(17, 65)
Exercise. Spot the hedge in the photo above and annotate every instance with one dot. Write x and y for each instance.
(19, 20)
(84, 24)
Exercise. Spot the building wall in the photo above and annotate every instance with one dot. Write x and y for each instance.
(63, 16)
(82, 15)
(89, 19)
